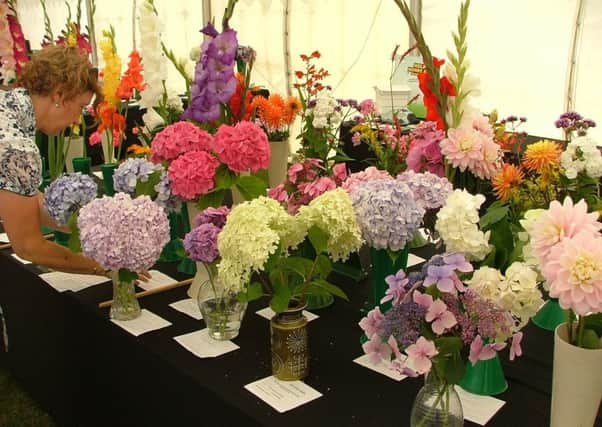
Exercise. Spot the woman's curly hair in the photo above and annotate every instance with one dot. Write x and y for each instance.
(61, 68)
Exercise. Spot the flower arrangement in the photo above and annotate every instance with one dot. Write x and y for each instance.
(257, 237)
(566, 242)
(177, 139)
(276, 114)
(371, 173)
(138, 177)
(305, 182)
(13, 50)
(123, 234)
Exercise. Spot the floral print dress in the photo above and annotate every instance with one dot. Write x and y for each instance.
(20, 159)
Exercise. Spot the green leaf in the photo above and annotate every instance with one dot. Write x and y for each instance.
(311, 289)
(254, 291)
(448, 345)
(503, 241)
(455, 368)
(323, 265)
(126, 275)
(213, 199)
(224, 178)
(280, 297)
(591, 339)
(418, 241)
(251, 187)
(318, 238)
(594, 322)
(147, 188)
(301, 266)
(330, 288)
(493, 215)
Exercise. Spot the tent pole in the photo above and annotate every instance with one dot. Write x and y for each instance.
(286, 42)
(416, 8)
(573, 60)
(207, 16)
(133, 24)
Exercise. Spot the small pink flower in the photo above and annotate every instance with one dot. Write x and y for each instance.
(278, 193)
(441, 317)
(95, 138)
(478, 351)
(376, 349)
(367, 106)
(356, 139)
(481, 124)
(372, 323)
(420, 355)
(515, 349)
(396, 290)
(425, 300)
(293, 171)
(322, 185)
(340, 172)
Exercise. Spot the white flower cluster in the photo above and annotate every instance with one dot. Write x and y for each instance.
(457, 224)
(326, 112)
(517, 292)
(582, 155)
(528, 222)
(155, 66)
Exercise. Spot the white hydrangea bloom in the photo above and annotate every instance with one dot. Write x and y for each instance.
(582, 154)
(325, 113)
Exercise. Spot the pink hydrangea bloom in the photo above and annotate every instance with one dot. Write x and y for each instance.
(441, 317)
(243, 147)
(424, 153)
(339, 171)
(372, 323)
(559, 222)
(420, 355)
(481, 351)
(369, 174)
(192, 174)
(177, 139)
(376, 349)
(574, 272)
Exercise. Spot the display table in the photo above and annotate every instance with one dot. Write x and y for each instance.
(85, 370)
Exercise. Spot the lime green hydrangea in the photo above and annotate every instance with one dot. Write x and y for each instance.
(333, 213)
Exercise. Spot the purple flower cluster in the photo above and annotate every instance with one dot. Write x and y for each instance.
(430, 191)
(135, 170)
(201, 242)
(67, 194)
(573, 121)
(214, 79)
(121, 232)
(490, 320)
(404, 322)
(386, 212)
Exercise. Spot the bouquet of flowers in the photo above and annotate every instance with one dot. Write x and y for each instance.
(306, 181)
(63, 199)
(13, 50)
(275, 114)
(126, 236)
(257, 238)
(138, 177)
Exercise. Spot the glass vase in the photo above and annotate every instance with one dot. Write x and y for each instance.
(437, 404)
(290, 350)
(125, 305)
(221, 310)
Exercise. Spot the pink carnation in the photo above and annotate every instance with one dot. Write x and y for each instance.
(574, 273)
(243, 147)
(179, 138)
(369, 174)
(192, 174)
(560, 222)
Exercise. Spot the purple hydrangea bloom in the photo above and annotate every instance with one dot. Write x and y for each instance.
(135, 170)
(403, 322)
(67, 194)
(121, 232)
(430, 191)
(215, 216)
(201, 243)
(214, 79)
(386, 212)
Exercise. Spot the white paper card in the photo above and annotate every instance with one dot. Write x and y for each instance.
(414, 260)
(21, 260)
(282, 395)
(157, 280)
(188, 306)
(146, 322)
(71, 282)
(4, 238)
(383, 367)
(201, 344)
(98, 174)
(478, 409)
(268, 313)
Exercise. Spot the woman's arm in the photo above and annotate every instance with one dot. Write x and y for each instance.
(46, 220)
(22, 222)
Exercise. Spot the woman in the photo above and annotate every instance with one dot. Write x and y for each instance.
(53, 89)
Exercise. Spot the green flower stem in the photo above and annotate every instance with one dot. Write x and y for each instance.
(581, 331)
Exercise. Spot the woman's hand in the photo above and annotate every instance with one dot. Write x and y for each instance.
(144, 276)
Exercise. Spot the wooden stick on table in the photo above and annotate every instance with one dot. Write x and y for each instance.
(9, 245)
(151, 291)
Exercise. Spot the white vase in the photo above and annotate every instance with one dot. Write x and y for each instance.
(193, 211)
(200, 277)
(72, 148)
(279, 151)
(108, 149)
(577, 383)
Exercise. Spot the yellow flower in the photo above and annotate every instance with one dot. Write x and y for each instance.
(112, 70)
(542, 155)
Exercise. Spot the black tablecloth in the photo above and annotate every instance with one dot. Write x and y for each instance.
(87, 371)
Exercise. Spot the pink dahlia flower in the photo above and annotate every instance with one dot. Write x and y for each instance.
(177, 139)
(243, 147)
(462, 147)
(560, 222)
(192, 174)
(574, 273)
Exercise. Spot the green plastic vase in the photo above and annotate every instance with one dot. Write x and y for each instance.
(171, 249)
(108, 170)
(550, 315)
(82, 164)
(383, 266)
(186, 266)
(62, 238)
(485, 378)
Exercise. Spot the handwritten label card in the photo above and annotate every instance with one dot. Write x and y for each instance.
(283, 395)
